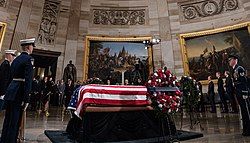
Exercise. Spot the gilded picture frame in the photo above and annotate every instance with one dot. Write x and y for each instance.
(2, 33)
(208, 41)
(90, 40)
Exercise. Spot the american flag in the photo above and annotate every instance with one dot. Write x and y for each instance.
(107, 95)
(74, 98)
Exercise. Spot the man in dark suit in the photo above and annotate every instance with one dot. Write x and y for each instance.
(211, 94)
(201, 106)
(230, 92)
(35, 93)
(17, 94)
(5, 72)
(221, 92)
(241, 91)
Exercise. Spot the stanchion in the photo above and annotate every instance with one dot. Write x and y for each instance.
(247, 106)
(22, 128)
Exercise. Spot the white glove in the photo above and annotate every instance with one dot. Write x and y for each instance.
(25, 106)
(2, 97)
(245, 96)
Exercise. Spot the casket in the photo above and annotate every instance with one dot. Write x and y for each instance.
(113, 113)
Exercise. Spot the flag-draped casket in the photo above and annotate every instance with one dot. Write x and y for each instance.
(115, 113)
(108, 96)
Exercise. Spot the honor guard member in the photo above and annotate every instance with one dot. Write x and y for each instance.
(241, 91)
(5, 73)
(17, 94)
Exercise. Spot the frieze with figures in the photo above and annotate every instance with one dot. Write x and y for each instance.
(206, 8)
(2, 3)
(48, 24)
(119, 17)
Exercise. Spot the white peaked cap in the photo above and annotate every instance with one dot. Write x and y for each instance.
(13, 52)
(28, 41)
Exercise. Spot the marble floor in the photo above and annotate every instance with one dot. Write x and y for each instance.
(216, 127)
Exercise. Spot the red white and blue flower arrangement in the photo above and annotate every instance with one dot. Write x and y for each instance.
(163, 92)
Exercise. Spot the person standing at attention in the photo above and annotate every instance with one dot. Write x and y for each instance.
(221, 92)
(241, 91)
(5, 72)
(211, 94)
(230, 92)
(17, 93)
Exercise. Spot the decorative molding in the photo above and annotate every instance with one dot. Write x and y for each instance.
(2, 3)
(48, 24)
(204, 8)
(120, 16)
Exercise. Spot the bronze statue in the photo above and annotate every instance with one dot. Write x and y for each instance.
(70, 72)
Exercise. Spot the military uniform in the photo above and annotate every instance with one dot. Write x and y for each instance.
(240, 83)
(16, 94)
(230, 92)
(5, 72)
(5, 76)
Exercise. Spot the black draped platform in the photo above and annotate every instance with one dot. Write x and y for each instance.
(57, 136)
(120, 127)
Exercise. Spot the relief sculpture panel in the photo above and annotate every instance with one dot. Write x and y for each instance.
(48, 23)
(119, 16)
(2, 3)
(204, 8)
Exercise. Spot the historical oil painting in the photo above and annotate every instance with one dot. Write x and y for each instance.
(208, 54)
(118, 60)
(2, 32)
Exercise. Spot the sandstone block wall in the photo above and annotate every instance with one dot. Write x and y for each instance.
(165, 19)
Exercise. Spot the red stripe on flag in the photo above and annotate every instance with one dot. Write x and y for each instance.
(119, 92)
(112, 102)
(91, 89)
(115, 102)
(115, 86)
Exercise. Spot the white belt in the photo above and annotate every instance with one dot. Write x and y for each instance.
(19, 79)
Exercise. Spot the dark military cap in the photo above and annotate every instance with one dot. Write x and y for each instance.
(232, 57)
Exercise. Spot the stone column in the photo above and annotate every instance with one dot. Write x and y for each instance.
(72, 32)
(166, 57)
(22, 24)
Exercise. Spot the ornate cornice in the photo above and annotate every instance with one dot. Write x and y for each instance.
(119, 16)
(204, 8)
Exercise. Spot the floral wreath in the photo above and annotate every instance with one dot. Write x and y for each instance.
(191, 93)
(163, 91)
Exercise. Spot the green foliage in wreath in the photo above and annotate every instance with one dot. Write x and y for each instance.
(190, 93)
